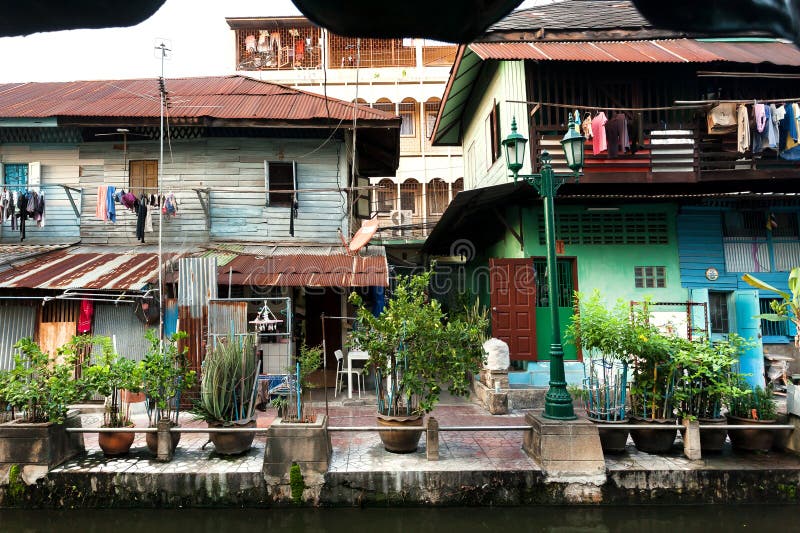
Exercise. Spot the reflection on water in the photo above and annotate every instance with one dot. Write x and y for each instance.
(639, 519)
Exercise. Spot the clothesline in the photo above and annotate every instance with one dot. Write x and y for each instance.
(678, 104)
(167, 190)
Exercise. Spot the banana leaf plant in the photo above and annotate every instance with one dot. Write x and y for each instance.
(789, 308)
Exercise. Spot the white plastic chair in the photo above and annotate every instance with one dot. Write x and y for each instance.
(341, 374)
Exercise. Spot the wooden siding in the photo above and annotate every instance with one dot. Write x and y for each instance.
(59, 164)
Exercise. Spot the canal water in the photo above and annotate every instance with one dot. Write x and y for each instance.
(638, 519)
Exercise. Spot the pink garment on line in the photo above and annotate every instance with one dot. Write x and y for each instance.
(761, 117)
(85, 317)
(599, 143)
(101, 209)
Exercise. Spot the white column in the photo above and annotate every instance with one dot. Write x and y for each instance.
(424, 208)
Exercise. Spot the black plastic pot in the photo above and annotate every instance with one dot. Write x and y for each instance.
(612, 440)
(752, 440)
(654, 440)
(712, 440)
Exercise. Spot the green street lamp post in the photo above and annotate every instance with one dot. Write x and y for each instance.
(558, 403)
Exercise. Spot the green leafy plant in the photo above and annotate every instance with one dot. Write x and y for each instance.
(310, 360)
(279, 403)
(110, 374)
(412, 343)
(297, 483)
(228, 383)
(165, 375)
(43, 386)
(789, 307)
(706, 376)
(753, 404)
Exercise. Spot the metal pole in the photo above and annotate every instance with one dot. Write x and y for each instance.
(324, 364)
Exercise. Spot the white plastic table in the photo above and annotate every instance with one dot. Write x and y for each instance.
(353, 355)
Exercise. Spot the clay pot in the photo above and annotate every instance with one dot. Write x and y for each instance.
(751, 439)
(152, 440)
(116, 443)
(612, 440)
(654, 440)
(235, 442)
(712, 440)
(400, 441)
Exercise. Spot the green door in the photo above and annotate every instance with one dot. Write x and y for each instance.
(566, 288)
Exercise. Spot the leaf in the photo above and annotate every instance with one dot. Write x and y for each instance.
(772, 317)
(758, 284)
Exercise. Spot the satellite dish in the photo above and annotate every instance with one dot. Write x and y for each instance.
(363, 235)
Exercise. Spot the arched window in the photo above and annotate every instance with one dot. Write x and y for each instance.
(410, 195)
(436, 192)
(431, 110)
(385, 196)
(408, 117)
(458, 186)
(384, 104)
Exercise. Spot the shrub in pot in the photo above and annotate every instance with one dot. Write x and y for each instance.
(41, 388)
(114, 376)
(228, 382)
(416, 351)
(601, 332)
(165, 375)
(751, 407)
(705, 377)
(308, 361)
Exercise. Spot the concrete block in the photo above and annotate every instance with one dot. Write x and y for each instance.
(43, 444)
(308, 445)
(793, 440)
(691, 440)
(432, 439)
(568, 448)
(497, 402)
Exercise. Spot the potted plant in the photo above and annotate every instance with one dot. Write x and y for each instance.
(41, 388)
(228, 392)
(601, 332)
(308, 362)
(415, 351)
(652, 381)
(752, 407)
(165, 375)
(114, 377)
(705, 378)
(789, 308)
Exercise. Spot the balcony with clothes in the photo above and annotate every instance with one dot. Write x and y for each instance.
(408, 211)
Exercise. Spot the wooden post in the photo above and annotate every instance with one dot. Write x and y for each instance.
(432, 439)
(164, 440)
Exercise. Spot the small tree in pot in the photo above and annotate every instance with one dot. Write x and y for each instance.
(751, 407)
(111, 375)
(165, 375)
(415, 352)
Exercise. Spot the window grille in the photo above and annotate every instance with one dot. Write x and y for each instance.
(279, 48)
(436, 196)
(347, 52)
(718, 312)
(759, 241)
(771, 328)
(565, 283)
(386, 194)
(407, 115)
(431, 110)
(409, 193)
(609, 228)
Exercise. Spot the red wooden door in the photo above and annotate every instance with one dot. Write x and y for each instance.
(513, 299)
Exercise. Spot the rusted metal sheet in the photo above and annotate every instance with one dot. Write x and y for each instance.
(53, 335)
(12, 253)
(119, 323)
(77, 267)
(225, 318)
(17, 321)
(305, 270)
(653, 51)
(221, 97)
(197, 284)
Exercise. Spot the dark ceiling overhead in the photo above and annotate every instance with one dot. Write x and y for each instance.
(31, 16)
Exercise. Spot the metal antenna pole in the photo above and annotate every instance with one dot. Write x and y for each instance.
(163, 95)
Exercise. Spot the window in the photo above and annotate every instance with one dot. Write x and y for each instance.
(408, 195)
(407, 118)
(565, 283)
(492, 131)
(15, 174)
(609, 228)
(431, 110)
(458, 186)
(280, 177)
(384, 105)
(760, 241)
(718, 312)
(770, 328)
(385, 196)
(472, 164)
(650, 277)
(436, 192)
(143, 176)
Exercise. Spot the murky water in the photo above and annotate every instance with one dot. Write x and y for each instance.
(639, 519)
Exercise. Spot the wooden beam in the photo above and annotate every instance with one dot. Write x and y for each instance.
(511, 230)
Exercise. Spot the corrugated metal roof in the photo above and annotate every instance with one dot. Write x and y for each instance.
(12, 253)
(574, 14)
(220, 97)
(307, 270)
(76, 267)
(654, 51)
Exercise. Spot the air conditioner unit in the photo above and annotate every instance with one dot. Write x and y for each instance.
(401, 218)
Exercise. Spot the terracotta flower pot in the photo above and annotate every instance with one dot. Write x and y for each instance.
(400, 441)
(152, 440)
(116, 443)
(751, 439)
(235, 442)
(654, 440)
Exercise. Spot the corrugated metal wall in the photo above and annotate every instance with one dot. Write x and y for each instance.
(226, 316)
(16, 322)
(197, 284)
(120, 323)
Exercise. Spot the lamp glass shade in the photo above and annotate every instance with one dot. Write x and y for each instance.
(573, 144)
(515, 148)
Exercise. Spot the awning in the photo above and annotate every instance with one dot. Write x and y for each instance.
(310, 266)
(113, 268)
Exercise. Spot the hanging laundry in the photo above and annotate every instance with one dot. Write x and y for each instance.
(141, 217)
(722, 119)
(128, 199)
(38, 211)
(743, 129)
(101, 209)
(85, 317)
(773, 133)
(5, 205)
(617, 135)
(148, 221)
(22, 206)
(14, 200)
(170, 206)
(760, 115)
(111, 208)
(586, 126)
(599, 143)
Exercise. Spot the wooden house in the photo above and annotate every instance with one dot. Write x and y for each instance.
(677, 215)
(258, 177)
